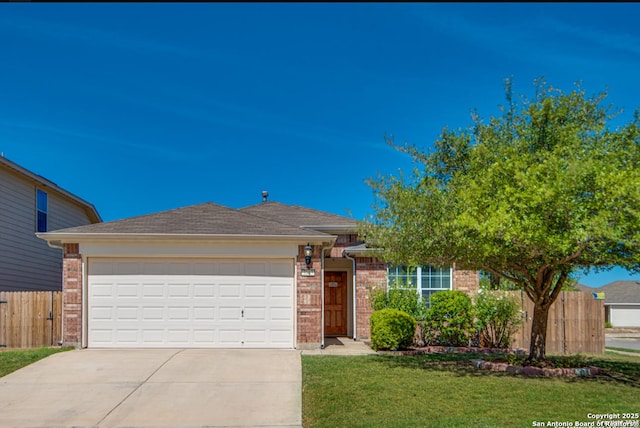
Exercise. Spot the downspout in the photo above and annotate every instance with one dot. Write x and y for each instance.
(353, 281)
(55, 244)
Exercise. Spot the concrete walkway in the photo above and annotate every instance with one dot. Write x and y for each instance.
(341, 346)
(155, 388)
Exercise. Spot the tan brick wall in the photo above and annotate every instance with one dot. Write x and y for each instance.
(342, 242)
(370, 273)
(467, 281)
(309, 295)
(72, 296)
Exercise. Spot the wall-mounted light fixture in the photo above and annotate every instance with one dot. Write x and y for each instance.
(307, 254)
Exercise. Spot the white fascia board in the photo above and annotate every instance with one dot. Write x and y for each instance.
(65, 238)
(367, 251)
(621, 304)
(337, 229)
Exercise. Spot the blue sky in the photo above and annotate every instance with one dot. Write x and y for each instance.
(145, 107)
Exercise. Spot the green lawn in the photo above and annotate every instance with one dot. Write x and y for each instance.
(12, 360)
(445, 391)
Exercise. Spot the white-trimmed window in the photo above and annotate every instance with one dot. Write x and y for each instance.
(425, 279)
(41, 211)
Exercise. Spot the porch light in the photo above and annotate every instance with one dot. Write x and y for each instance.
(307, 254)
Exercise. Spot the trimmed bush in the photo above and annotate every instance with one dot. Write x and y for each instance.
(449, 320)
(406, 300)
(391, 329)
(497, 318)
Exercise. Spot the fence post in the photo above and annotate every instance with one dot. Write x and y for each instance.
(3, 320)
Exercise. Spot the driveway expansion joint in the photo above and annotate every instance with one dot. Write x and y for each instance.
(138, 386)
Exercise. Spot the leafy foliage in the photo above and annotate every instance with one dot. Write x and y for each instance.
(406, 300)
(543, 190)
(391, 329)
(449, 320)
(498, 316)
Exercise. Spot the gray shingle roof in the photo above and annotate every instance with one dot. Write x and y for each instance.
(621, 292)
(297, 216)
(203, 219)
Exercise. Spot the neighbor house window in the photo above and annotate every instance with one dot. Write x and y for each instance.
(41, 211)
(426, 280)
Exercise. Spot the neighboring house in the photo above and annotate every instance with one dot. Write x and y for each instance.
(621, 303)
(265, 276)
(29, 204)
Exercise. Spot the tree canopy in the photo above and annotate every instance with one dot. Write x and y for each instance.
(544, 189)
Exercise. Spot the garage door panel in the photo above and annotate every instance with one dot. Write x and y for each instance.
(204, 313)
(127, 313)
(190, 303)
(204, 290)
(280, 290)
(255, 290)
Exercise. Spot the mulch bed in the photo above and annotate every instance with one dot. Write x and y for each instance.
(480, 364)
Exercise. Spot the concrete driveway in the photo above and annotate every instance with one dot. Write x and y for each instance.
(155, 388)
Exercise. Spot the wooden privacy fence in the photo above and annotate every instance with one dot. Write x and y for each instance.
(30, 319)
(575, 324)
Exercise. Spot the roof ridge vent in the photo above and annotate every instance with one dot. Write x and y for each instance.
(265, 195)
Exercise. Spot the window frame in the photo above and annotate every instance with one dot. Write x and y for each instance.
(42, 212)
(415, 278)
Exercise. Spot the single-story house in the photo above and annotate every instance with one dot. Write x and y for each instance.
(266, 276)
(29, 203)
(621, 303)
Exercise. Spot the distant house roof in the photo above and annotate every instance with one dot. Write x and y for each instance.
(91, 211)
(209, 220)
(621, 292)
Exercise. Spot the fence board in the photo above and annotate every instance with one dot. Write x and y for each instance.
(575, 324)
(30, 319)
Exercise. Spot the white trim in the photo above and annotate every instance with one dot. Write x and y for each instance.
(67, 238)
(621, 304)
(84, 339)
(355, 295)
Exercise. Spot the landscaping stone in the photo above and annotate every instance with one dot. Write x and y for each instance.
(480, 364)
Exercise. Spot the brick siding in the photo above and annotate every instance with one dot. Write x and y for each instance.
(72, 296)
(309, 297)
(467, 281)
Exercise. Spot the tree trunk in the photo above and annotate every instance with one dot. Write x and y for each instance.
(537, 349)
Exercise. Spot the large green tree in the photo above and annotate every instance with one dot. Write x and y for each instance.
(547, 188)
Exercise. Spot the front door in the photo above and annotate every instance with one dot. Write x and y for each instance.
(335, 303)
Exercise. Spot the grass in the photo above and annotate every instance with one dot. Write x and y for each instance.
(13, 360)
(634, 351)
(443, 390)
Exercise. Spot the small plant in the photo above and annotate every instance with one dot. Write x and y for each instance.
(607, 324)
(497, 318)
(449, 321)
(391, 329)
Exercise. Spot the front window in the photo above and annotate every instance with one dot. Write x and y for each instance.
(426, 280)
(41, 211)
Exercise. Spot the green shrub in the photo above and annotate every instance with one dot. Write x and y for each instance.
(402, 299)
(391, 329)
(607, 324)
(449, 320)
(498, 316)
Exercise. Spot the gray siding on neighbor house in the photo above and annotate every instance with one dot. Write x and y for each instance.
(27, 262)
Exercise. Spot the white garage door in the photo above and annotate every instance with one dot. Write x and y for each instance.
(203, 303)
(625, 316)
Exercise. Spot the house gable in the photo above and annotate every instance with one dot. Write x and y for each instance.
(26, 262)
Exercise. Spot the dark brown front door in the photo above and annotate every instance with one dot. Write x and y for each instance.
(335, 303)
